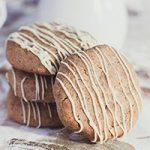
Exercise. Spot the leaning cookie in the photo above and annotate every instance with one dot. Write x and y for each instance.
(100, 93)
(31, 113)
(31, 87)
(41, 47)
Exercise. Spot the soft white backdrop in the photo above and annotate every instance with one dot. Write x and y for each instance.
(2, 12)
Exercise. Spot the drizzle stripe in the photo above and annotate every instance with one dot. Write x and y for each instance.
(22, 89)
(14, 81)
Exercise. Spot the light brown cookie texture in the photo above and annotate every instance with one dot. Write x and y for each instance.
(32, 114)
(31, 87)
(97, 94)
(41, 47)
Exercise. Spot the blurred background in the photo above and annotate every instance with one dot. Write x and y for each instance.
(123, 24)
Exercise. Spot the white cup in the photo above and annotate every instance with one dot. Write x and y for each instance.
(106, 20)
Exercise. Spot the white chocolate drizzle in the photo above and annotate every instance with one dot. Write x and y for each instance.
(41, 85)
(22, 89)
(14, 81)
(29, 113)
(64, 40)
(34, 111)
(38, 115)
(98, 94)
(23, 110)
(49, 111)
(29, 108)
(37, 86)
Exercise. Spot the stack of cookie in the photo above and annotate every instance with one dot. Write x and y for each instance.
(35, 53)
(95, 88)
(30, 100)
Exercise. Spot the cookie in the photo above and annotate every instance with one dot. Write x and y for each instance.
(31, 87)
(100, 93)
(32, 114)
(41, 47)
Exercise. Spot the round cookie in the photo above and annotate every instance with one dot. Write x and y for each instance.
(41, 47)
(31, 87)
(31, 113)
(99, 90)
